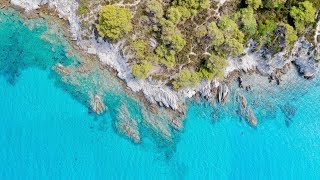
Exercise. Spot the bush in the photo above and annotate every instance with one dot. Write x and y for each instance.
(165, 56)
(114, 22)
(303, 14)
(142, 70)
(186, 78)
(216, 34)
(255, 4)
(216, 65)
(248, 22)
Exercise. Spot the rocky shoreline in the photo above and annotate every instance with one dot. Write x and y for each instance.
(156, 92)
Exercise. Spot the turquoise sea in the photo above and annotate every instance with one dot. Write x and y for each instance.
(46, 132)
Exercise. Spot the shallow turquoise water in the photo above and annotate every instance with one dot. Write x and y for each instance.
(46, 133)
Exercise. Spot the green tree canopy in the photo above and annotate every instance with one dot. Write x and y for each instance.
(291, 35)
(255, 4)
(200, 31)
(114, 22)
(216, 34)
(234, 38)
(193, 5)
(274, 3)
(139, 48)
(155, 8)
(248, 22)
(175, 41)
(186, 78)
(302, 15)
(165, 56)
(142, 70)
(174, 15)
(216, 65)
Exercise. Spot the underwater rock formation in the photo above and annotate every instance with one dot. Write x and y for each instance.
(62, 70)
(289, 111)
(97, 104)
(126, 125)
(246, 112)
(243, 102)
(252, 118)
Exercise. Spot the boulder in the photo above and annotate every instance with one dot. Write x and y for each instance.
(223, 93)
(307, 67)
(62, 70)
(97, 105)
(252, 118)
(243, 102)
(126, 125)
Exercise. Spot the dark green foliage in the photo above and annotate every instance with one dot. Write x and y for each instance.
(186, 78)
(142, 70)
(303, 14)
(114, 22)
(216, 64)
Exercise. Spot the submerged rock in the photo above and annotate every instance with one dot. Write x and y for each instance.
(176, 123)
(289, 111)
(246, 112)
(62, 70)
(252, 118)
(158, 123)
(97, 105)
(126, 125)
(243, 102)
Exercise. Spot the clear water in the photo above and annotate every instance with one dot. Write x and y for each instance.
(46, 133)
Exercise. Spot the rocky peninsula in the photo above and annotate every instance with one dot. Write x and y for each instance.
(158, 89)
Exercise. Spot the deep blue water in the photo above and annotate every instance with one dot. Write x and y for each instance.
(46, 133)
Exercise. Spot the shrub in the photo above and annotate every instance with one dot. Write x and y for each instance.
(303, 15)
(114, 22)
(142, 70)
(186, 78)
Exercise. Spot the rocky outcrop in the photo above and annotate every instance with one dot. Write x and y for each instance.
(66, 9)
(97, 104)
(62, 70)
(155, 91)
(303, 55)
(223, 93)
(176, 123)
(262, 61)
(252, 118)
(306, 67)
(246, 112)
(126, 125)
(243, 102)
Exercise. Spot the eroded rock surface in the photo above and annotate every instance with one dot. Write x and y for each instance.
(223, 93)
(246, 112)
(303, 55)
(127, 125)
(97, 104)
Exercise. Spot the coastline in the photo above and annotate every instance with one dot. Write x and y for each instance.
(155, 92)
